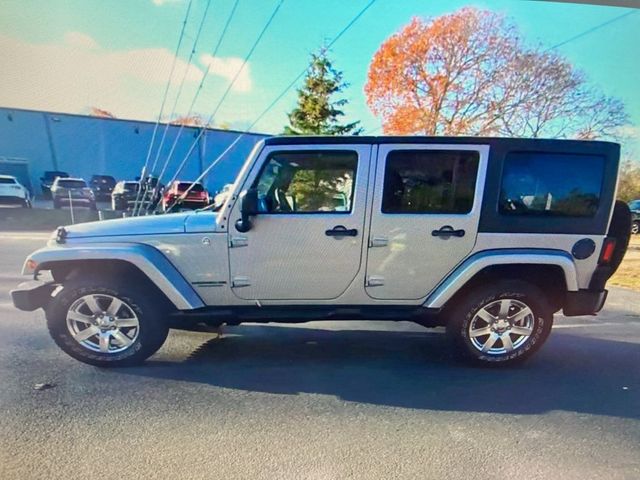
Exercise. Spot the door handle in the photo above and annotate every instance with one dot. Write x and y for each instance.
(448, 231)
(341, 231)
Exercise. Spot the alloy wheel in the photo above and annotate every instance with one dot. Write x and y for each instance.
(501, 326)
(103, 323)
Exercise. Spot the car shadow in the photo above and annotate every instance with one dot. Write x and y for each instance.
(413, 370)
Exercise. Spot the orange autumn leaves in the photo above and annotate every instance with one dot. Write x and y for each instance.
(470, 73)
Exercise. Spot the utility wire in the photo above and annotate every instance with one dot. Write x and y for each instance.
(164, 99)
(226, 92)
(214, 53)
(593, 29)
(184, 77)
(269, 107)
(175, 105)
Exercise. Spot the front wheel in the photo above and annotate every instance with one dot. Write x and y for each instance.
(106, 324)
(500, 324)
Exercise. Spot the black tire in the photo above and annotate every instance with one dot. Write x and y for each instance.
(148, 308)
(461, 316)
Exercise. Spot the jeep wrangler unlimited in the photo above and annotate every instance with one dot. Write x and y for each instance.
(487, 237)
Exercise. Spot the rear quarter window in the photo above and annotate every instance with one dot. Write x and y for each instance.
(551, 184)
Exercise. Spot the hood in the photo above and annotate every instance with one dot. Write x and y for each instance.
(148, 225)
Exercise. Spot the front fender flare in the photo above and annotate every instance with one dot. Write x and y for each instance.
(146, 258)
(481, 260)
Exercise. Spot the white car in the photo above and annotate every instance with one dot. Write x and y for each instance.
(13, 192)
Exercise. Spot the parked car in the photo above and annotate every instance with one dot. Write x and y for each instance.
(47, 180)
(124, 195)
(488, 237)
(102, 186)
(13, 193)
(196, 198)
(634, 206)
(67, 190)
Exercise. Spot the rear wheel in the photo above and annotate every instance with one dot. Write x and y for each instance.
(500, 324)
(105, 323)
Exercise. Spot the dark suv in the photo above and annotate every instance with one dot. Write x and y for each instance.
(634, 206)
(47, 179)
(102, 186)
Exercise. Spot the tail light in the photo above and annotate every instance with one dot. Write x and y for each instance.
(608, 249)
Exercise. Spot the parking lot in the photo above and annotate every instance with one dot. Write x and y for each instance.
(320, 401)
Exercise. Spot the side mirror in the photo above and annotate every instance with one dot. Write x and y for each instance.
(248, 207)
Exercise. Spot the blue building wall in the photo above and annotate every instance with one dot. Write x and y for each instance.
(33, 141)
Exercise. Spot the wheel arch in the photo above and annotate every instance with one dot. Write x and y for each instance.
(126, 259)
(552, 271)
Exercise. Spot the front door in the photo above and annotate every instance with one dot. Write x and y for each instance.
(425, 216)
(306, 241)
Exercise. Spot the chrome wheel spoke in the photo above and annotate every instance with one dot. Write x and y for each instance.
(104, 342)
(506, 341)
(121, 338)
(89, 332)
(486, 316)
(114, 307)
(524, 331)
(92, 303)
(126, 322)
(478, 332)
(493, 338)
(504, 309)
(80, 317)
(521, 315)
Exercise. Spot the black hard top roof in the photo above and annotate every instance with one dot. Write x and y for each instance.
(350, 140)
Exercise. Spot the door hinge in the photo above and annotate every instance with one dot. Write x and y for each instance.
(240, 282)
(238, 241)
(375, 281)
(378, 241)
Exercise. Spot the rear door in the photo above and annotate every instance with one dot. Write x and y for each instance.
(425, 216)
(306, 242)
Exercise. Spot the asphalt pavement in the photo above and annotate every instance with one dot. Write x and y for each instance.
(325, 400)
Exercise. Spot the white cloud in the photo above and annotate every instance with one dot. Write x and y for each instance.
(79, 39)
(77, 74)
(228, 68)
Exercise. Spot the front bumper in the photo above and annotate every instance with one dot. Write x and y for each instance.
(29, 296)
(584, 302)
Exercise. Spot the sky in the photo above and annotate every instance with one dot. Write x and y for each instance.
(71, 55)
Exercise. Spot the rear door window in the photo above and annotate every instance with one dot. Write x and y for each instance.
(551, 184)
(430, 181)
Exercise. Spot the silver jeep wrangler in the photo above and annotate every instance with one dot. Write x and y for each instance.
(487, 237)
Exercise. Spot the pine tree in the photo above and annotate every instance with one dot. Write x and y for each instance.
(317, 113)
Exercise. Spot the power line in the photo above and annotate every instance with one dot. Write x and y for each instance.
(184, 77)
(270, 106)
(164, 99)
(593, 29)
(175, 103)
(228, 89)
(198, 91)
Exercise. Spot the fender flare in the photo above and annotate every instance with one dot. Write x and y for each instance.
(149, 260)
(481, 260)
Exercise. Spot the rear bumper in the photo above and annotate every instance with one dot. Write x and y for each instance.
(29, 296)
(584, 302)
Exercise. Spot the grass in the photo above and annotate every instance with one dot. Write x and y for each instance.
(628, 275)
